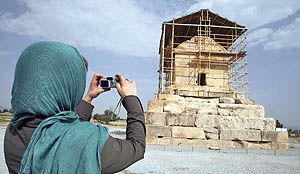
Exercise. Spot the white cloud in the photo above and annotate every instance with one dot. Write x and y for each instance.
(286, 37)
(259, 36)
(257, 13)
(120, 26)
(252, 13)
(132, 27)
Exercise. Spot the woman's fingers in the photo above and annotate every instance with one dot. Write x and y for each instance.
(101, 90)
(119, 89)
(95, 80)
(125, 88)
(122, 79)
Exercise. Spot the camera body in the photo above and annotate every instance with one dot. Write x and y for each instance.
(109, 82)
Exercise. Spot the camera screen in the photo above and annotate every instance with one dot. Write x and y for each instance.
(104, 84)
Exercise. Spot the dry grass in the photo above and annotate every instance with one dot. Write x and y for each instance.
(5, 118)
(118, 123)
(294, 139)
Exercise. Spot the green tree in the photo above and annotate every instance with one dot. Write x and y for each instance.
(290, 131)
(5, 110)
(11, 111)
(97, 117)
(111, 115)
(278, 124)
(106, 117)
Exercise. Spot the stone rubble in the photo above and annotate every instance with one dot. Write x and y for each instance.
(211, 122)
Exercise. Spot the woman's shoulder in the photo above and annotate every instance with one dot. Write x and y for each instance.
(90, 127)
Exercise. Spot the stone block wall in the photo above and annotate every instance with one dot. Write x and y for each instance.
(185, 64)
(221, 122)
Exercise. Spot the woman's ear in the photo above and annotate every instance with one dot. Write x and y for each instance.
(86, 63)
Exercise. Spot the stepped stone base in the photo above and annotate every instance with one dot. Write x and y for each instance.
(211, 122)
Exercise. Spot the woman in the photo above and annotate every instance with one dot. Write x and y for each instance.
(46, 135)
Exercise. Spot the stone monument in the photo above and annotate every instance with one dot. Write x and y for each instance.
(202, 98)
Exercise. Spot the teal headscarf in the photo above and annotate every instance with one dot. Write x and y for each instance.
(49, 82)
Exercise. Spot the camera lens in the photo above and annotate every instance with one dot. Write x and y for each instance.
(104, 84)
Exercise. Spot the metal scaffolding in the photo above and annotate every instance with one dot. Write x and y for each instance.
(211, 43)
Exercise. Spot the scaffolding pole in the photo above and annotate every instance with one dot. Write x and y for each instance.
(185, 54)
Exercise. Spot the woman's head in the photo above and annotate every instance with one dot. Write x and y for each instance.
(49, 78)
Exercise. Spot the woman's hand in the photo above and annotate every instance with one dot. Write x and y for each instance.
(94, 90)
(125, 88)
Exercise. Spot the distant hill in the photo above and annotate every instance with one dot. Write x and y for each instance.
(294, 127)
(1, 108)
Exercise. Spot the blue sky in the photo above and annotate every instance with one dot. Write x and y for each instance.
(123, 36)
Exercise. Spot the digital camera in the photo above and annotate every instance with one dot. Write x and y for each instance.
(109, 82)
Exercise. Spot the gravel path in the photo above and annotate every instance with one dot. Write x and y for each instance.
(3, 168)
(175, 160)
(201, 160)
